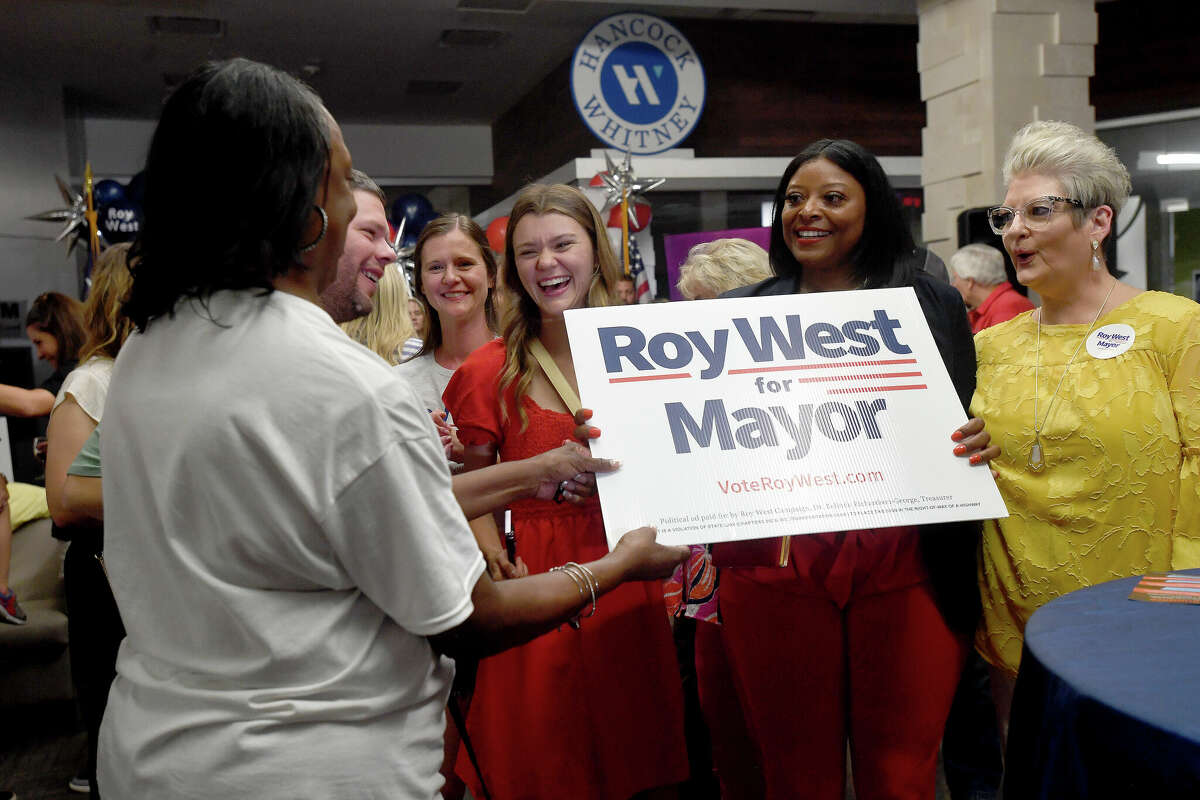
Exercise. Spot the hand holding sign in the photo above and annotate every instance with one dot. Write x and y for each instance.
(569, 471)
(974, 444)
(643, 559)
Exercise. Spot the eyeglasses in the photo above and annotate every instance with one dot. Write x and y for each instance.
(1037, 213)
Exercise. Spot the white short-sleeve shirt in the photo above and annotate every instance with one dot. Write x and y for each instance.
(88, 384)
(281, 537)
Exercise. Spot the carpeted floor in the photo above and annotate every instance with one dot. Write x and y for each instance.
(41, 749)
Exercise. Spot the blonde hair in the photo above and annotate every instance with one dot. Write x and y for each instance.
(522, 320)
(721, 265)
(1088, 169)
(387, 327)
(106, 324)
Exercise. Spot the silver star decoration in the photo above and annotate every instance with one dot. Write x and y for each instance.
(401, 252)
(621, 180)
(404, 258)
(75, 215)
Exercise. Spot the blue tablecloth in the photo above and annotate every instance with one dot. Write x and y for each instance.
(1107, 702)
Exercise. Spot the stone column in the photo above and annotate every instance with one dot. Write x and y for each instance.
(987, 68)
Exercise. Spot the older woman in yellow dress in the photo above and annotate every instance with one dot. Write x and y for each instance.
(1094, 399)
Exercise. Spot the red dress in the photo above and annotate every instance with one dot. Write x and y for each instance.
(589, 713)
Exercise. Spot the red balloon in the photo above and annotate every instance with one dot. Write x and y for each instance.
(640, 210)
(497, 230)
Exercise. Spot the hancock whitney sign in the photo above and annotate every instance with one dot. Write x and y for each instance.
(637, 83)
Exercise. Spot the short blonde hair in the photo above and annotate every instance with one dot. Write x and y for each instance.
(1088, 169)
(721, 265)
(981, 263)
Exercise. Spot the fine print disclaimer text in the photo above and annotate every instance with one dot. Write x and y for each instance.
(685, 523)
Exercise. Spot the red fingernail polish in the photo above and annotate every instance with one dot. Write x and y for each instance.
(960, 449)
(976, 459)
(594, 433)
(956, 436)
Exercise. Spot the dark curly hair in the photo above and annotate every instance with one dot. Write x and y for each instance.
(885, 254)
(234, 166)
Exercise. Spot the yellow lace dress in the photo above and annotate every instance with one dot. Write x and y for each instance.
(1120, 491)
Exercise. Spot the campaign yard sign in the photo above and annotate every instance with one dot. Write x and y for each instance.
(773, 416)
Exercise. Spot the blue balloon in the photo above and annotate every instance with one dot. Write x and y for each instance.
(108, 191)
(416, 211)
(119, 222)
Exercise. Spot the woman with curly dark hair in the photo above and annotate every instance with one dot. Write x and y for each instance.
(284, 542)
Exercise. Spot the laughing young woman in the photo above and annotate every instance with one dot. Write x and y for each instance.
(595, 712)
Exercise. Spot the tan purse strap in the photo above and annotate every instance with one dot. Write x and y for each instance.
(557, 379)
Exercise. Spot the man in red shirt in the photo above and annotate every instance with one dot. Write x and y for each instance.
(977, 271)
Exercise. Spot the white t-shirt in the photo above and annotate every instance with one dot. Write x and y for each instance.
(428, 379)
(281, 536)
(88, 384)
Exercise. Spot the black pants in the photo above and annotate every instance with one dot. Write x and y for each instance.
(971, 746)
(95, 631)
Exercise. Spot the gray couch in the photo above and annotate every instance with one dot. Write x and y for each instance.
(34, 665)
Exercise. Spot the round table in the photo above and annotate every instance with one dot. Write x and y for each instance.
(1107, 702)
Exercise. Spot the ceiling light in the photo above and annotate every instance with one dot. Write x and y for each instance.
(1174, 205)
(1178, 159)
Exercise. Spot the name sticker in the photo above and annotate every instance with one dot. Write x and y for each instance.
(1110, 341)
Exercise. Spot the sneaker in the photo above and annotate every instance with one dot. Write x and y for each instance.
(10, 610)
(81, 784)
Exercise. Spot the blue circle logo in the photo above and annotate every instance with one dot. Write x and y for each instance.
(637, 83)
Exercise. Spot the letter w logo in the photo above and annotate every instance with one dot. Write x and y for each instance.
(629, 85)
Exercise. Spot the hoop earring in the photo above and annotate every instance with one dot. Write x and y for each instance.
(324, 226)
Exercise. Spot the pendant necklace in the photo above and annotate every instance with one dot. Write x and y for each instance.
(1037, 461)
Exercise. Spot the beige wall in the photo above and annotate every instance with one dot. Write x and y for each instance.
(987, 68)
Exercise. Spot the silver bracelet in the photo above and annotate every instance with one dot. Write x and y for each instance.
(573, 621)
(590, 577)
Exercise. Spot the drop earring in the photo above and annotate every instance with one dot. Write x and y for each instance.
(1095, 256)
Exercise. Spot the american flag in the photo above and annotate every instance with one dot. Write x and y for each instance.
(637, 271)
